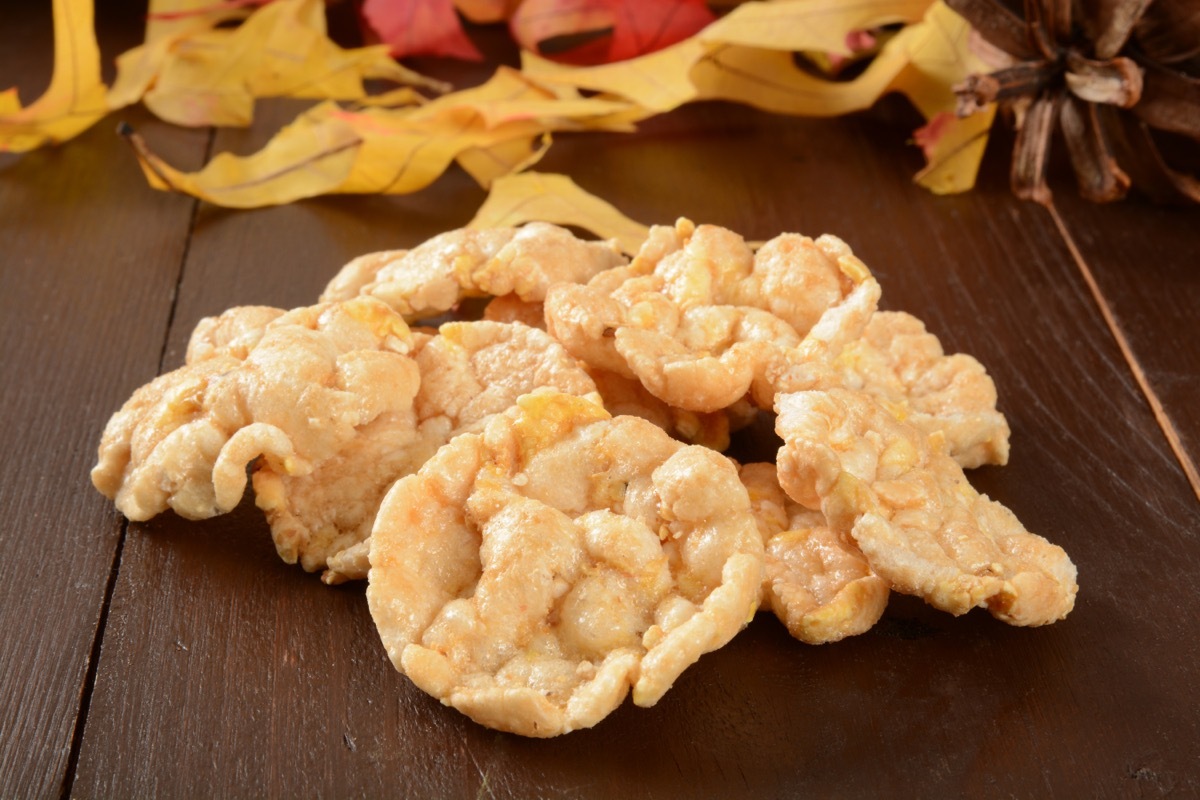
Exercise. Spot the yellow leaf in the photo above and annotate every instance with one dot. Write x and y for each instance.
(491, 129)
(404, 153)
(136, 70)
(923, 61)
(509, 96)
(171, 18)
(503, 126)
(9, 104)
(556, 198)
(401, 96)
(75, 99)
(770, 80)
(329, 150)
(167, 22)
(657, 82)
(939, 57)
(803, 25)
(746, 57)
(311, 156)
(938, 52)
(206, 76)
(487, 164)
(954, 154)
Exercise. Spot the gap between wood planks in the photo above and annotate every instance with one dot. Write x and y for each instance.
(89, 683)
(1139, 375)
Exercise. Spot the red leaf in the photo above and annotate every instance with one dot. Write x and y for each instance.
(856, 42)
(420, 27)
(927, 136)
(538, 21)
(643, 26)
(609, 30)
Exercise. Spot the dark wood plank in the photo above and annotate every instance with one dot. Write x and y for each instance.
(90, 259)
(226, 673)
(1145, 261)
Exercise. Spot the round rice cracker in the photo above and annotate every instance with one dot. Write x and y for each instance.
(531, 575)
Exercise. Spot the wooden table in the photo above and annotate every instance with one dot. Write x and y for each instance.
(184, 659)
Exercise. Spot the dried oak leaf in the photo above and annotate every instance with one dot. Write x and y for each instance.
(329, 149)
(75, 99)
(748, 57)
(198, 74)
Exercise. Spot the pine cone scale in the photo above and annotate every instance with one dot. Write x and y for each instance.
(1108, 73)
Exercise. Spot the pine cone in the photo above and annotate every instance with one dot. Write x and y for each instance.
(1118, 76)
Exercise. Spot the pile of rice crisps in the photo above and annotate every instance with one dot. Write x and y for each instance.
(538, 499)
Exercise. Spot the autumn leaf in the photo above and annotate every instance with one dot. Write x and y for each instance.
(550, 197)
(198, 75)
(657, 82)
(644, 26)
(489, 164)
(809, 25)
(329, 149)
(538, 21)
(940, 57)
(953, 149)
(923, 61)
(747, 57)
(485, 11)
(171, 17)
(393, 98)
(75, 99)
(168, 21)
(420, 27)
(771, 81)
(626, 28)
(399, 143)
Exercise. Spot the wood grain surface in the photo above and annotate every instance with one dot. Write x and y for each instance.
(174, 658)
(89, 262)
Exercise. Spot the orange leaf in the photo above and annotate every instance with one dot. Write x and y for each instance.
(554, 198)
(420, 27)
(75, 99)
(484, 11)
